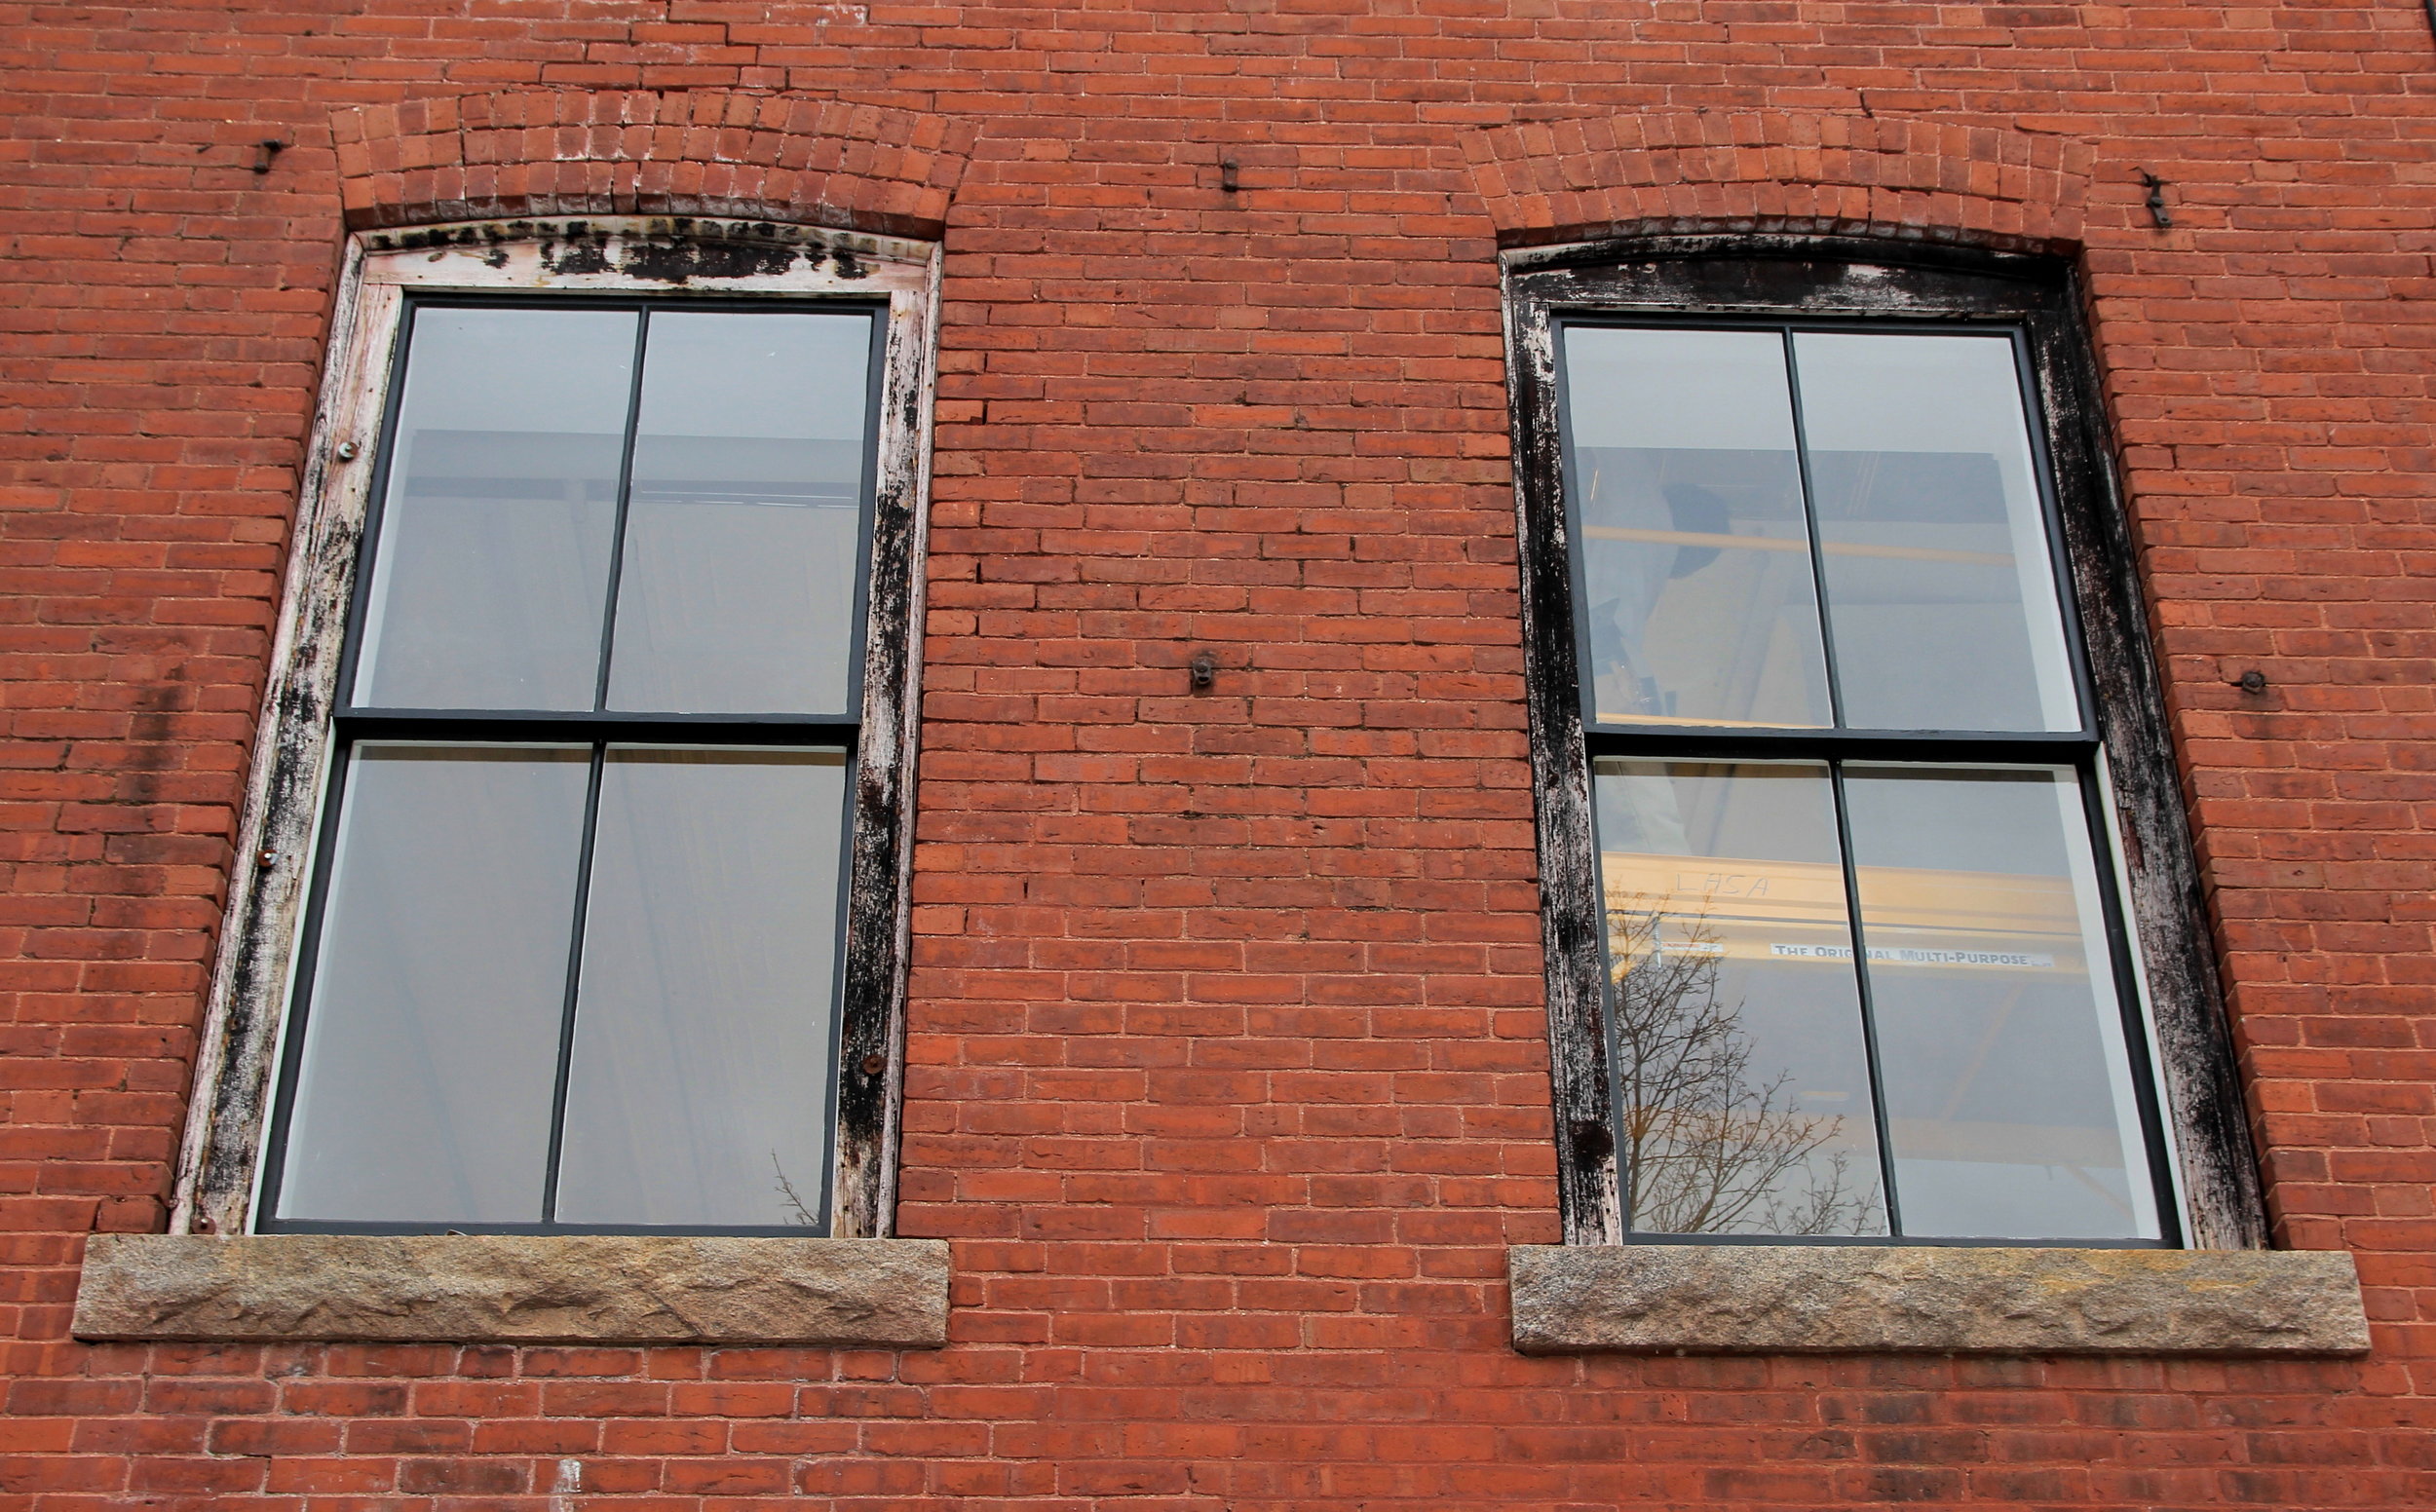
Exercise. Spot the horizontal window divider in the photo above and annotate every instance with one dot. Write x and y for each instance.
(1693, 741)
(483, 726)
(535, 1231)
(593, 300)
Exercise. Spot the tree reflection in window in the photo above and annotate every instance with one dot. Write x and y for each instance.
(1711, 1142)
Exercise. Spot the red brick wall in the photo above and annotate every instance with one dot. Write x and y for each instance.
(1228, 1059)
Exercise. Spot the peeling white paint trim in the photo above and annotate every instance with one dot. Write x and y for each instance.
(220, 1155)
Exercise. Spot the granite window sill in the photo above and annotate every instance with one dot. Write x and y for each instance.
(1750, 1299)
(887, 1293)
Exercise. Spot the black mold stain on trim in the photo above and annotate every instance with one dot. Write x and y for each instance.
(1778, 276)
(674, 250)
(680, 259)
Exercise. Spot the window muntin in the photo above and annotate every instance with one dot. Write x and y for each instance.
(1799, 543)
(682, 1072)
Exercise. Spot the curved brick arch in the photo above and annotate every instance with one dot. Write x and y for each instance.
(1780, 171)
(561, 152)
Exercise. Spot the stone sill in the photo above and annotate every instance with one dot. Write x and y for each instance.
(882, 1294)
(1755, 1299)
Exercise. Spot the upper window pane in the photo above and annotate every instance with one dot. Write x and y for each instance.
(745, 527)
(1702, 559)
(734, 584)
(493, 565)
(1939, 592)
(1697, 602)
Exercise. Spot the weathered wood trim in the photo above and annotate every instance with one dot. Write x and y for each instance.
(880, 892)
(2224, 1204)
(643, 254)
(1570, 905)
(1848, 276)
(219, 1162)
(273, 861)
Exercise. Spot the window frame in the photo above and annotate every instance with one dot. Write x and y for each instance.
(226, 1167)
(2165, 960)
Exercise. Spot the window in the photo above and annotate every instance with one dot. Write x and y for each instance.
(588, 884)
(1836, 771)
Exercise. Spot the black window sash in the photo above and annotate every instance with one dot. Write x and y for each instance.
(599, 729)
(1752, 284)
(599, 735)
(2059, 567)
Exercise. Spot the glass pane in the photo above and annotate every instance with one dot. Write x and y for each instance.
(431, 1045)
(493, 568)
(1697, 599)
(1936, 545)
(699, 1093)
(2000, 1041)
(1743, 1099)
(744, 530)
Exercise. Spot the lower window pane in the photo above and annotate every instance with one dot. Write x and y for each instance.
(2001, 1038)
(431, 1043)
(1743, 1097)
(699, 1088)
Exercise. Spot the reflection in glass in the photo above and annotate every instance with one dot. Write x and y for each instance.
(1698, 602)
(1743, 1095)
(737, 594)
(2000, 1039)
(700, 1087)
(431, 1042)
(493, 566)
(1934, 545)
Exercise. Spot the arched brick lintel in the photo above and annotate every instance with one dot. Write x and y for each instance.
(1781, 171)
(578, 152)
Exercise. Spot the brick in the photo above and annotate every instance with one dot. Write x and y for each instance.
(1225, 1031)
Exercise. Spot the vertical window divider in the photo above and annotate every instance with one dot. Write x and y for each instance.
(617, 529)
(1818, 552)
(1835, 785)
(575, 980)
(1868, 1007)
(592, 791)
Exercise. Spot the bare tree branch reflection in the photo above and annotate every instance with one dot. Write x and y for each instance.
(1707, 1145)
(795, 1204)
